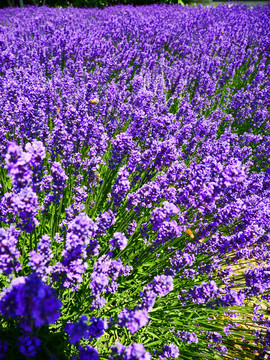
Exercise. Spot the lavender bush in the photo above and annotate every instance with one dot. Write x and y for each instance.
(135, 183)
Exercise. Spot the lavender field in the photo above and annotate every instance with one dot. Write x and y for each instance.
(135, 183)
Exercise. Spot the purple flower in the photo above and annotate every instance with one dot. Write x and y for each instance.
(77, 331)
(29, 346)
(161, 285)
(214, 337)
(59, 176)
(106, 271)
(8, 305)
(46, 182)
(257, 281)
(105, 221)
(134, 160)
(133, 319)
(168, 231)
(39, 261)
(3, 348)
(35, 302)
(145, 196)
(226, 330)
(6, 208)
(131, 227)
(25, 205)
(88, 353)
(37, 151)
(159, 215)
(9, 254)
(232, 298)
(18, 166)
(134, 351)
(117, 351)
(169, 351)
(98, 283)
(80, 240)
(262, 338)
(70, 272)
(121, 146)
(98, 302)
(121, 186)
(59, 183)
(199, 160)
(189, 337)
(83, 227)
(182, 259)
(233, 173)
(97, 327)
(203, 293)
(148, 300)
(118, 241)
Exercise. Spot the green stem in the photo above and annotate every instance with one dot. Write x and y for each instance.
(31, 241)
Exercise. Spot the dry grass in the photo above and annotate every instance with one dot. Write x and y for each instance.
(243, 348)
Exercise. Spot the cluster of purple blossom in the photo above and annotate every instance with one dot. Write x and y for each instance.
(134, 182)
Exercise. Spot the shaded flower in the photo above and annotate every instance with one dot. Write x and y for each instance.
(77, 331)
(32, 300)
(3, 348)
(29, 346)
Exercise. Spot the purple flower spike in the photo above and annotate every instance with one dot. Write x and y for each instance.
(97, 327)
(29, 346)
(148, 300)
(117, 349)
(25, 205)
(18, 166)
(162, 285)
(78, 330)
(37, 151)
(3, 348)
(105, 221)
(39, 261)
(118, 241)
(98, 283)
(133, 319)
(134, 351)
(188, 337)
(170, 351)
(9, 254)
(32, 300)
(233, 173)
(88, 353)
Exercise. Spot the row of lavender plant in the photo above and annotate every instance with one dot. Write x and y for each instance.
(134, 176)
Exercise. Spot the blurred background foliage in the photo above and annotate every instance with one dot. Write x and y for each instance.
(85, 3)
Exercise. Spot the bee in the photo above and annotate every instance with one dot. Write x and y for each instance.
(58, 110)
(238, 346)
(98, 175)
(190, 233)
(94, 101)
